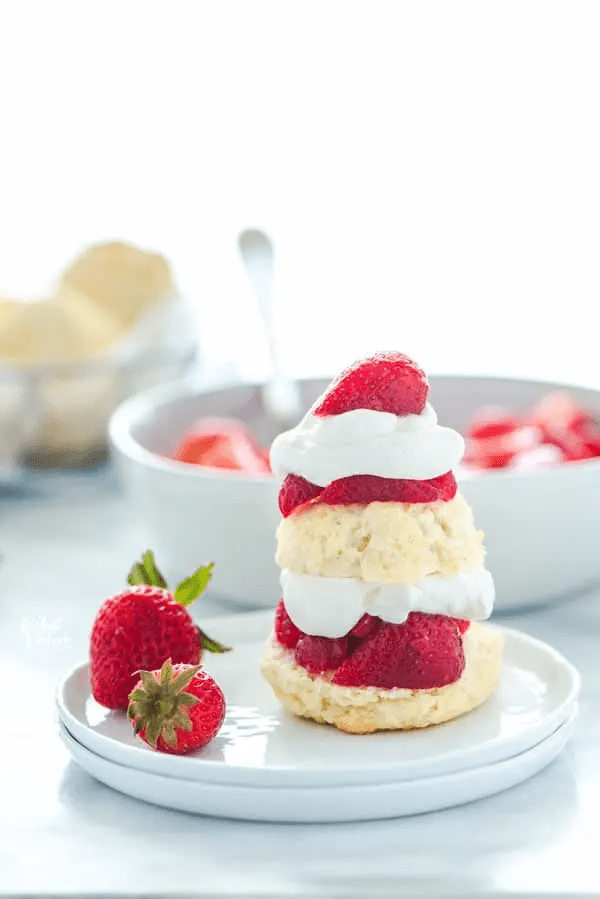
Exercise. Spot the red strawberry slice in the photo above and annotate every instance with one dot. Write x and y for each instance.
(222, 443)
(364, 489)
(499, 451)
(294, 492)
(462, 624)
(386, 382)
(318, 654)
(424, 652)
(285, 630)
(589, 431)
(492, 421)
(366, 627)
(556, 412)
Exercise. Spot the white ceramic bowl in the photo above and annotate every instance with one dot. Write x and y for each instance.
(541, 527)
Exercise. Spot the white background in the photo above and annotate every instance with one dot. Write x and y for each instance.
(430, 171)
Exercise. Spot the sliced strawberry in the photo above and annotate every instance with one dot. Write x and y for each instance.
(491, 421)
(386, 382)
(589, 431)
(285, 630)
(193, 447)
(318, 654)
(222, 443)
(556, 412)
(235, 453)
(366, 627)
(462, 624)
(364, 489)
(499, 451)
(294, 492)
(573, 447)
(424, 652)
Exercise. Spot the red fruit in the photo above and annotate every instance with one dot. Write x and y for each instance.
(140, 628)
(424, 652)
(462, 624)
(365, 488)
(498, 452)
(286, 631)
(318, 654)
(589, 431)
(367, 626)
(571, 444)
(294, 492)
(566, 425)
(176, 708)
(491, 421)
(222, 443)
(386, 382)
(557, 412)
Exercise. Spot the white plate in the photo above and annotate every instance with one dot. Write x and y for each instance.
(261, 745)
(323, 804)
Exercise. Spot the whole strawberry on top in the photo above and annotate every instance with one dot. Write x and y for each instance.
(143, 626)
(177, 708)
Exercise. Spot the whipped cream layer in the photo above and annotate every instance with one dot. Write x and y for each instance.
(331, 606)
(324, 448)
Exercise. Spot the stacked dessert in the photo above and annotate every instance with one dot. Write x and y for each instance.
(383, 571)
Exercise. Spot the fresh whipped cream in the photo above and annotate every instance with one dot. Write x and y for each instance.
(331, 606)
(323, 448)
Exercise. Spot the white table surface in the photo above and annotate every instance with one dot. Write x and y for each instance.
(65, 541)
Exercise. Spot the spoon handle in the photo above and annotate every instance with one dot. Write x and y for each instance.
(281, 395)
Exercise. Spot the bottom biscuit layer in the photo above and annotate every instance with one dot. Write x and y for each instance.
(363, 710)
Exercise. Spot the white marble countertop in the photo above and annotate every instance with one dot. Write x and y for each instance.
(63, 542)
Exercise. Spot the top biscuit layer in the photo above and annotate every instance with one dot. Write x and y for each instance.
(383, 542)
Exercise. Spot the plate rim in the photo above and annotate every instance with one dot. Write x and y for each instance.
(509, 770)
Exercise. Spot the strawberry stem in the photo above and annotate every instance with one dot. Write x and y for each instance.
(211, 645)
(160, 704)
(146, 572)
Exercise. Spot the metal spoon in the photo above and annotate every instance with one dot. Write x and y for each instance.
(281, 395)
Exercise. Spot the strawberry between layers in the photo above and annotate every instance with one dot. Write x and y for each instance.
(295, 491)
(422, 653)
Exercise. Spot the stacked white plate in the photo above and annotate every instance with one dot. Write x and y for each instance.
(266, 765)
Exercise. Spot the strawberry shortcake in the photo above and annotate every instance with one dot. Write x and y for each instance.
(383, 574)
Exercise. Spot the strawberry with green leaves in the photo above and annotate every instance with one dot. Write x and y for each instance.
(142, 627)
(177, 708)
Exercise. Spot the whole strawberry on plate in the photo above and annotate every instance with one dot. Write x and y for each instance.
(177, 708)
(143, 626)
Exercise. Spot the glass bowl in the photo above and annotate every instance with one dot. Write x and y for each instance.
(57, 414)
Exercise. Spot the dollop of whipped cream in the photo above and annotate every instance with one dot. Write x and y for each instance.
(331, 606)
(324, 448)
